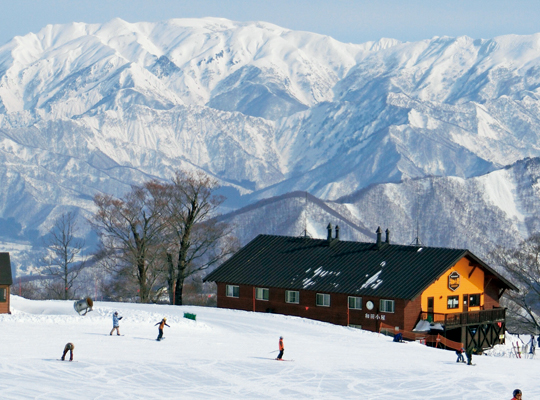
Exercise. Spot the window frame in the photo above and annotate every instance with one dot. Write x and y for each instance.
(356, 301)
(232, 295)
(324, 297)
(476, 295)
(456, 302)
(262, 291)
(287, 296)
(382, 308)
(3, 295)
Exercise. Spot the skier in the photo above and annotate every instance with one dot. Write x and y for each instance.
(68, 347)
(531, 348)
(517, 394)
(116, 323)
(460, 355)
(161, 324)
(281, 348)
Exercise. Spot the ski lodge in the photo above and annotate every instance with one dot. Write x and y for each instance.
(5, 283)
(372, 286)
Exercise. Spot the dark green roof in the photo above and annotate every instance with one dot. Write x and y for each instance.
(355, 268)
(5, 270)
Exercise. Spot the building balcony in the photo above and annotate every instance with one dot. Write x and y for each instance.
(455, 320)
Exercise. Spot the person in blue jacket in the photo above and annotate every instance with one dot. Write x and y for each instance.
(460, 355)
(116, 323)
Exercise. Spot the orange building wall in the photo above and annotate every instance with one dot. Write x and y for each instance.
(440, 291)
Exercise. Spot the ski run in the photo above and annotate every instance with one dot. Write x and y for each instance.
(228, 354)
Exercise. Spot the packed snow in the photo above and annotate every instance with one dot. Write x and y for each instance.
(228, 354)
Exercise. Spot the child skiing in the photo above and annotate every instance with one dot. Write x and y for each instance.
(68, 347)
(281, 348)
(116, 323)
(161, 326)
(460, 355)
(517, 394)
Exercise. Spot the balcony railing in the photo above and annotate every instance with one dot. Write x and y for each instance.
(466, 318)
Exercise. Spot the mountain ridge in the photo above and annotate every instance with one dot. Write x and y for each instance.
(89, 108)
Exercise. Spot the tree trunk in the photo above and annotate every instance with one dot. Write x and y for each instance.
(178, 290)
(143, 289)
(170, 279)
(184, 246)
(66, 273)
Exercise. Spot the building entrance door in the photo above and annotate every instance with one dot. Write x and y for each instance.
(465, 303)
(430, 303)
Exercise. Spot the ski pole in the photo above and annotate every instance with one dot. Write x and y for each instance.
(275, 351)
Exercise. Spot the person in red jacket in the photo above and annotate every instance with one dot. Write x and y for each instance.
(517, 394)
(281, 348)
(161, 326)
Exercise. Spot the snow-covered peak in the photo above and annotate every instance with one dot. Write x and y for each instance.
(88, 108)
(202, 52)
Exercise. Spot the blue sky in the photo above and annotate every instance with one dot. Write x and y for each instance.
(353, 21)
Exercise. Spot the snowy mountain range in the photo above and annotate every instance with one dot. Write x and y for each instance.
(443, 132)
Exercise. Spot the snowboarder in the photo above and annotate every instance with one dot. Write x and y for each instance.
(469, 354)
(116, 323)
(517, 394)
(161, 324)
(460, 355)
(398, 337)
(68, 347)
(281, 348)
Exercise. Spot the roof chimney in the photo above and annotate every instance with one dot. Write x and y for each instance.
(388, 236)
(379, 239)
(329, 229)
(337, 232)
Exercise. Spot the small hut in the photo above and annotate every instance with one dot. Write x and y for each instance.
(5, 283)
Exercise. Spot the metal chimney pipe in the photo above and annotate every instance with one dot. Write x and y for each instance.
(388, 236)
(329, 229)
(337, 232)
(379, 237)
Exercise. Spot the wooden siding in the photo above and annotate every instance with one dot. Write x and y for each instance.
(491, 294)
(411, 313)
(404, 316)
(4, 305)
(472, 281)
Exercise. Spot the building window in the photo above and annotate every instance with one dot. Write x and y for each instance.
(262, 294)
(474, 300)
(3, 296)
(323, 300)
(387, 306)
(355, 303)
(453, 302)
(292, 296)
(233, 291)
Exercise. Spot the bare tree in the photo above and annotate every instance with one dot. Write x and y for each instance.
(196, 238)
(522, 265)
(63, 259)
(131, 231)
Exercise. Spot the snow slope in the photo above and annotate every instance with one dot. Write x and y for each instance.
(227, 354)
